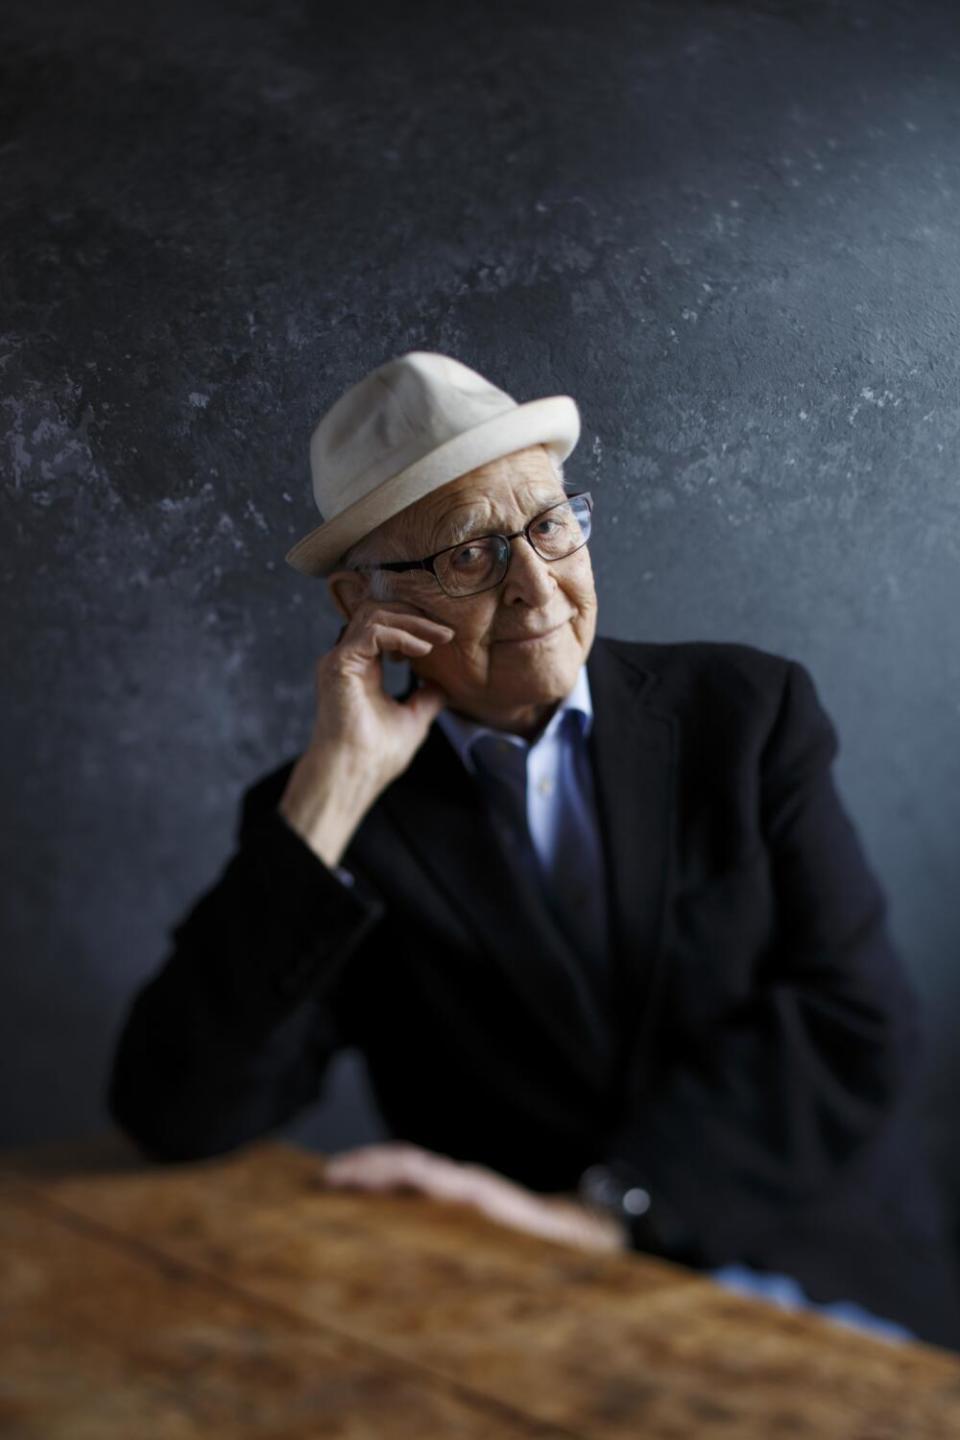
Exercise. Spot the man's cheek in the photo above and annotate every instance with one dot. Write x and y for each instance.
(435, 666)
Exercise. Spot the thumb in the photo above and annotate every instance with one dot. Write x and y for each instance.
(427, 701)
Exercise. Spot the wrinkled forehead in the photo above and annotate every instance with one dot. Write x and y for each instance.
(501, 496)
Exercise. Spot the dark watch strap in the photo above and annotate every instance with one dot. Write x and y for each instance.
(653, 1226)
(602, 1186)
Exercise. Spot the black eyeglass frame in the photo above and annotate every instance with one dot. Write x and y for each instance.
(429, 561)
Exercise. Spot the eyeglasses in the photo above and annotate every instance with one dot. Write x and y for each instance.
(481, 563)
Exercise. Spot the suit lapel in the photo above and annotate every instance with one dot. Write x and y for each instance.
(634, 753)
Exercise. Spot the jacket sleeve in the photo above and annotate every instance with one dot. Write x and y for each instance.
(782, 1100)
(232, 1036)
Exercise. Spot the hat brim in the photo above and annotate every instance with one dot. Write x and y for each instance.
(553, 421)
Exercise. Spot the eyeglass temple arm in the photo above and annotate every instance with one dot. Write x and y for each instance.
(403, 565)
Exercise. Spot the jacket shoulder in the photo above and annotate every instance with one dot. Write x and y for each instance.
(688, 668)
(726, 690)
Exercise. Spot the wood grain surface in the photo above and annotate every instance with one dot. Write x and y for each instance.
(237, 1297)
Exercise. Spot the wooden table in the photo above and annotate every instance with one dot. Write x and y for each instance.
(234, 1298)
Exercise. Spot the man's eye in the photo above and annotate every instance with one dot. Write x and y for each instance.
(469, 555)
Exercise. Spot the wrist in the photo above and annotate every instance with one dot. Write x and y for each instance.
(325, 828)
(322, 806)
(610, 1232)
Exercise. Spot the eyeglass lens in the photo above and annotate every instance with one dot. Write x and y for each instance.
(480, 564)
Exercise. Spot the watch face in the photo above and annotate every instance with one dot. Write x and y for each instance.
(635, 1201)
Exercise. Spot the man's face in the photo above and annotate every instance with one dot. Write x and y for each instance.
(488, 666)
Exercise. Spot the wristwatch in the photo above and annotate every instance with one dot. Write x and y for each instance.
(654, 1227)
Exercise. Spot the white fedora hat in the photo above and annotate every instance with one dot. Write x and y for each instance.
(405, 429)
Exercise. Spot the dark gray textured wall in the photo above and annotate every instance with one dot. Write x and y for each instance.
(731, 231)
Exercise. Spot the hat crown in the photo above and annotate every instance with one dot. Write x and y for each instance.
(391, 419)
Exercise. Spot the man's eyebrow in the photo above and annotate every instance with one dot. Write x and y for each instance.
(456, 531)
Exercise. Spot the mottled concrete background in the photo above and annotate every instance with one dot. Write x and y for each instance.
(731, 231)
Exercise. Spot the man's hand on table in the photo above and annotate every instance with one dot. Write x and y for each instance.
(396, 1165)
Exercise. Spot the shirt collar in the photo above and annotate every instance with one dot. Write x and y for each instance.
(462, 732)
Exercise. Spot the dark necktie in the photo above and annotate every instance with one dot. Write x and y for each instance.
(570, 872)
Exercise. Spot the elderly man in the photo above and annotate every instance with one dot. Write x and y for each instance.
(591, 909)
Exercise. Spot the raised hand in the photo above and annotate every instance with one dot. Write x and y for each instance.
(362, 737)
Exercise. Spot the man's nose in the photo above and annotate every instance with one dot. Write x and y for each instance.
(529, 577)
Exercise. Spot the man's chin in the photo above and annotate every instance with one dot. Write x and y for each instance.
(560, 653)
(540, 683)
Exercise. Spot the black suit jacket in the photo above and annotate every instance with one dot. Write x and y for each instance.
(755, 1069)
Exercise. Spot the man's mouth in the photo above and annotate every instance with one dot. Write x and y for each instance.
(531, 639)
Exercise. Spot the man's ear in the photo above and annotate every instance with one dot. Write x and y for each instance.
(347, 588)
